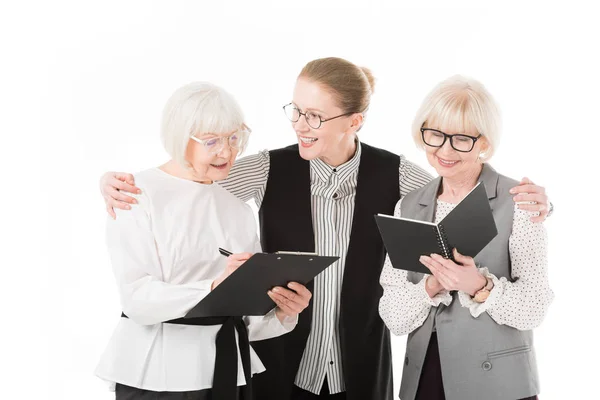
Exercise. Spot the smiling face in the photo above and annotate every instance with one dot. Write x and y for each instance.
(212, 157)
(196, 120)
(448, 162)
(458, 105)
(333, 138)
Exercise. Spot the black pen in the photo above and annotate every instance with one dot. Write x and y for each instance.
(225, 252)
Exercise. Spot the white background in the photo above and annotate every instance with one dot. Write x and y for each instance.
(82, 85)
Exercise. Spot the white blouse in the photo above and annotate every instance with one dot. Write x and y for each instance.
(521, 304)
(165, 256)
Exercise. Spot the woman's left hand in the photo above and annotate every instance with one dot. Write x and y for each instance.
(463, 276)
(290, 302)
(531, 197)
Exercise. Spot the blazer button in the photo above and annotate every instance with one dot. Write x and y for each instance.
(486, 366)
(405, 360)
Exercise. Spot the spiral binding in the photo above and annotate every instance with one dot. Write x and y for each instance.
(442, 239)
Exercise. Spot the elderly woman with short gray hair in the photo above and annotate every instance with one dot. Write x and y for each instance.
(469, 322)
(165, 259)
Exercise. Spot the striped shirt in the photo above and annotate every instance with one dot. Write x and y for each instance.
(333, 191)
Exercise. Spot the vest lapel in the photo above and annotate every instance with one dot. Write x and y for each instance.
(427, 200)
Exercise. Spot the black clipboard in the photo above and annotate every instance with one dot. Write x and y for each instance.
(244, 292)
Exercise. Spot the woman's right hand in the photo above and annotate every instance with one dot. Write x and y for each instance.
(233, 262)
(112, 186)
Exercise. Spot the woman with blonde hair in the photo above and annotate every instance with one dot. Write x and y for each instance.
(469, 322)
(320, 195)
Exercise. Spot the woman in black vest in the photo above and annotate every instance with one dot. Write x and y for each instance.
(313, 196)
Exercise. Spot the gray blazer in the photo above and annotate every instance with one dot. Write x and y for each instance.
(480, 359)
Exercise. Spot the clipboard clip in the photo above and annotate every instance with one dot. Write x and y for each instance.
(296, 253)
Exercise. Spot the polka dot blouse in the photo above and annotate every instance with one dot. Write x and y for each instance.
(521, 303)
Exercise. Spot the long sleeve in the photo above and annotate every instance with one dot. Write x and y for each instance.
(412, 176)
(522, 302)
(248, 177)
(145, 297)
(404, 305)
(267, 326)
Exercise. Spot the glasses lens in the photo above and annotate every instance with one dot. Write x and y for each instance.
(433, 138)
(212, 143)
(313, 120)
(238, 140)
(291, 112)
(462, 143)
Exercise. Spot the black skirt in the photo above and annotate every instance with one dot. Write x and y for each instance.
(123, 392)
(431, 386)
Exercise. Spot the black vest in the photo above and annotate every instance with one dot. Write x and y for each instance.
(286, 224)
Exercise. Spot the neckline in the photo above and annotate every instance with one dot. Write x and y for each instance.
(446, 202)
(324, 170)
(196, 183)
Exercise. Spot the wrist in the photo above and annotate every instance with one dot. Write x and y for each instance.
(482, 283)
(215, 283)
(482, 294)
(281, 316)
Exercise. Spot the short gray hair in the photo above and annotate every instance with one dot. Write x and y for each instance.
(195, 109)
(460, 103)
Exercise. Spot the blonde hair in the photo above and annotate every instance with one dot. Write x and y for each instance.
(350, 85)
(459, 104)
(195, 109)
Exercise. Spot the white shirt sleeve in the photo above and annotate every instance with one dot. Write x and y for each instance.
(268, 326)
(404, 305)
(145, 297)
(248, 177)
(523, 302)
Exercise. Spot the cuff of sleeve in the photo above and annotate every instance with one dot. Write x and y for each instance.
(550, 209)
(288, 323)
(443, 297)
(475, 308)
(202, 285)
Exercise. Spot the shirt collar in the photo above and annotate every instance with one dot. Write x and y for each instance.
(324, 171)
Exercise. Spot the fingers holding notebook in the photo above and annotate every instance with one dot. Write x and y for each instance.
(464, 277)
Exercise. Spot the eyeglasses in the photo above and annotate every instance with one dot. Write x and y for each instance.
(313, 120)
(237, 141)
(436, 138)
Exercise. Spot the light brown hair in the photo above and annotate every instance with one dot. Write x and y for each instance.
(350, 85)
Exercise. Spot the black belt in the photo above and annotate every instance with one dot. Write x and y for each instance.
(224, 385)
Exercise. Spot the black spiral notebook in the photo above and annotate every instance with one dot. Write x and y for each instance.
(469, 227)
(244, 292)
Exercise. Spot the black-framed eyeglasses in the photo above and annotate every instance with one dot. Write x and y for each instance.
(437, 138)
(313, 120)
